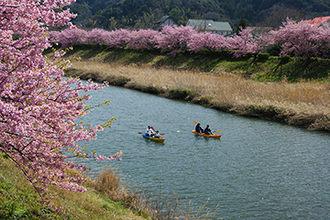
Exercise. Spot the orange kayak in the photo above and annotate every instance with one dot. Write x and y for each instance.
(207, 135)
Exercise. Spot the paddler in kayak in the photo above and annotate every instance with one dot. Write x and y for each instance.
(157, 135)
(207, 130)
(198, 128)
(149, 131)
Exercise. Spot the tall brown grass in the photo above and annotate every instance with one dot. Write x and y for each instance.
(309, 98)
(135, 198)
(109, 183)
(158, 206)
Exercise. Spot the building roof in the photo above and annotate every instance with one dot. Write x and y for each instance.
(319, 20)
(160, 23)
(259, 30)
(209, 25)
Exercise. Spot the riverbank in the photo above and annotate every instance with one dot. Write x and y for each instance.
(304, 103)
(19, 200)
(107, 197)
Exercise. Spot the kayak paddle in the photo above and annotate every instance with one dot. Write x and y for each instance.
(143, 133)
(196, 124)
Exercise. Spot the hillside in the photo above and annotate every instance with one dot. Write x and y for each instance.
(112, 14)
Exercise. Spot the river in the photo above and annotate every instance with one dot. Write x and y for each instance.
(257, 170)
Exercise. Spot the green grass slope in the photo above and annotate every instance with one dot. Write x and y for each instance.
(260, 68)
(19, 200)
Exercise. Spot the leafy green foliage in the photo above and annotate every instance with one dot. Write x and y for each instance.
(17, 197)
(311, 69)
(111, 14)
(263, 57)
(184, 94)
(241, 25)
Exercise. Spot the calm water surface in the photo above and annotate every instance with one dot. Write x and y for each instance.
(257, 170)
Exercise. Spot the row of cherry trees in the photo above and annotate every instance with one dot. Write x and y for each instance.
(39, 108)
(297, 39)
(301, 39)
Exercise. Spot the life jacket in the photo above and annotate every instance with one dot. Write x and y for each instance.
(207, 130)
(149, 132)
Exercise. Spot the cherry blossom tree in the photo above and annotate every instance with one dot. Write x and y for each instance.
(297, 39)
(143, 39)
(97, 36)
(245, 43)
(118, 38)
(175, 39)
(38, 108)
(72, 36)
(301, 39)
(209, 41)
(54, 37)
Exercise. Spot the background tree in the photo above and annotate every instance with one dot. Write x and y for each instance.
(244, 43)
(130, 13)
(143, 39)
(301, 39)
(277, 14)
(207, 40)
(241, 25)
(175, 39)
(297, 39)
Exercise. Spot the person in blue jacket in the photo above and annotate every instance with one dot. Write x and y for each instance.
(207, 130)
(198, 128)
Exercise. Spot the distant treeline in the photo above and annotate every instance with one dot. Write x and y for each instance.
(115, 14)
(295, 39)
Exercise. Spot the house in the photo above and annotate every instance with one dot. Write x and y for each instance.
(165, 20)
(319, 21)
(217, 27)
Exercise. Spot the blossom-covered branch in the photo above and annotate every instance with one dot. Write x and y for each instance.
(38, 108)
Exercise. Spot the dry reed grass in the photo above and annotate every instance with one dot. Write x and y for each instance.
(109, 183)
(160, 206)
(224, 89)
(198, 213)
(91, 205)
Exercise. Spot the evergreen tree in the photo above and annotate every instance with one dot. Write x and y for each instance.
(241, 25)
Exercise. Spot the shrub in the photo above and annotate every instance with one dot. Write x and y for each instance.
(263, 56)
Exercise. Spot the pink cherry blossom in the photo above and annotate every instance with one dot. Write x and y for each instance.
(38, 108)
(297, 39)
(302, 39)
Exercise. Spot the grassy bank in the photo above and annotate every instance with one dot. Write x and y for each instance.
(260, 68)
(19, 200)
(107, 197)
(295, 92)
